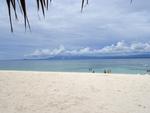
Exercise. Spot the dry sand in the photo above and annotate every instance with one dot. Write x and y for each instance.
(43, 92)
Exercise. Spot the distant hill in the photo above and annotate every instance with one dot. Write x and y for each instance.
(144, 55)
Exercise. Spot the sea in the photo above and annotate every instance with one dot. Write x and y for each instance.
(124, 66)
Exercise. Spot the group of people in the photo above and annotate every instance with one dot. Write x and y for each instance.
(148, 70)
(107, 71)
(91, 70)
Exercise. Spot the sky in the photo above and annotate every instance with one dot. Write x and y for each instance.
(104, 27)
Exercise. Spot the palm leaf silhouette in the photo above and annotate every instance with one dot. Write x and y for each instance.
(41, 4)
(11, 4)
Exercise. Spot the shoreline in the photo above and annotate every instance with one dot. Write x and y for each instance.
(51, 72)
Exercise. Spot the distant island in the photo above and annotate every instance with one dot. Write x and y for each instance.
(69, 57)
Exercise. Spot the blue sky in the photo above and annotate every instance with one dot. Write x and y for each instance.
(108, 27)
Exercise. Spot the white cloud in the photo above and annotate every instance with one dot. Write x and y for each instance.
(140, 47)
(122, 47)
(118, 48)
(101, 24)
(48, 52)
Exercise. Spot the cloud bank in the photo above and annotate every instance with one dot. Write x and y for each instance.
(119, 48)
(93, 32)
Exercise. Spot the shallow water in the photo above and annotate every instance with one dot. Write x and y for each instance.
(128, 66)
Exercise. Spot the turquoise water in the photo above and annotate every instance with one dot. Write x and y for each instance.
(129, 66)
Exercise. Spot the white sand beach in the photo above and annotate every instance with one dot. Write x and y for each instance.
(57, 92)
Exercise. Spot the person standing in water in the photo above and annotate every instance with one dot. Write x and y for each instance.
(105, 71)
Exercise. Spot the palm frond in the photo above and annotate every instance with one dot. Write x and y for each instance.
(41, 4)
(84, 3)
(9, 3)
(22, 5)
